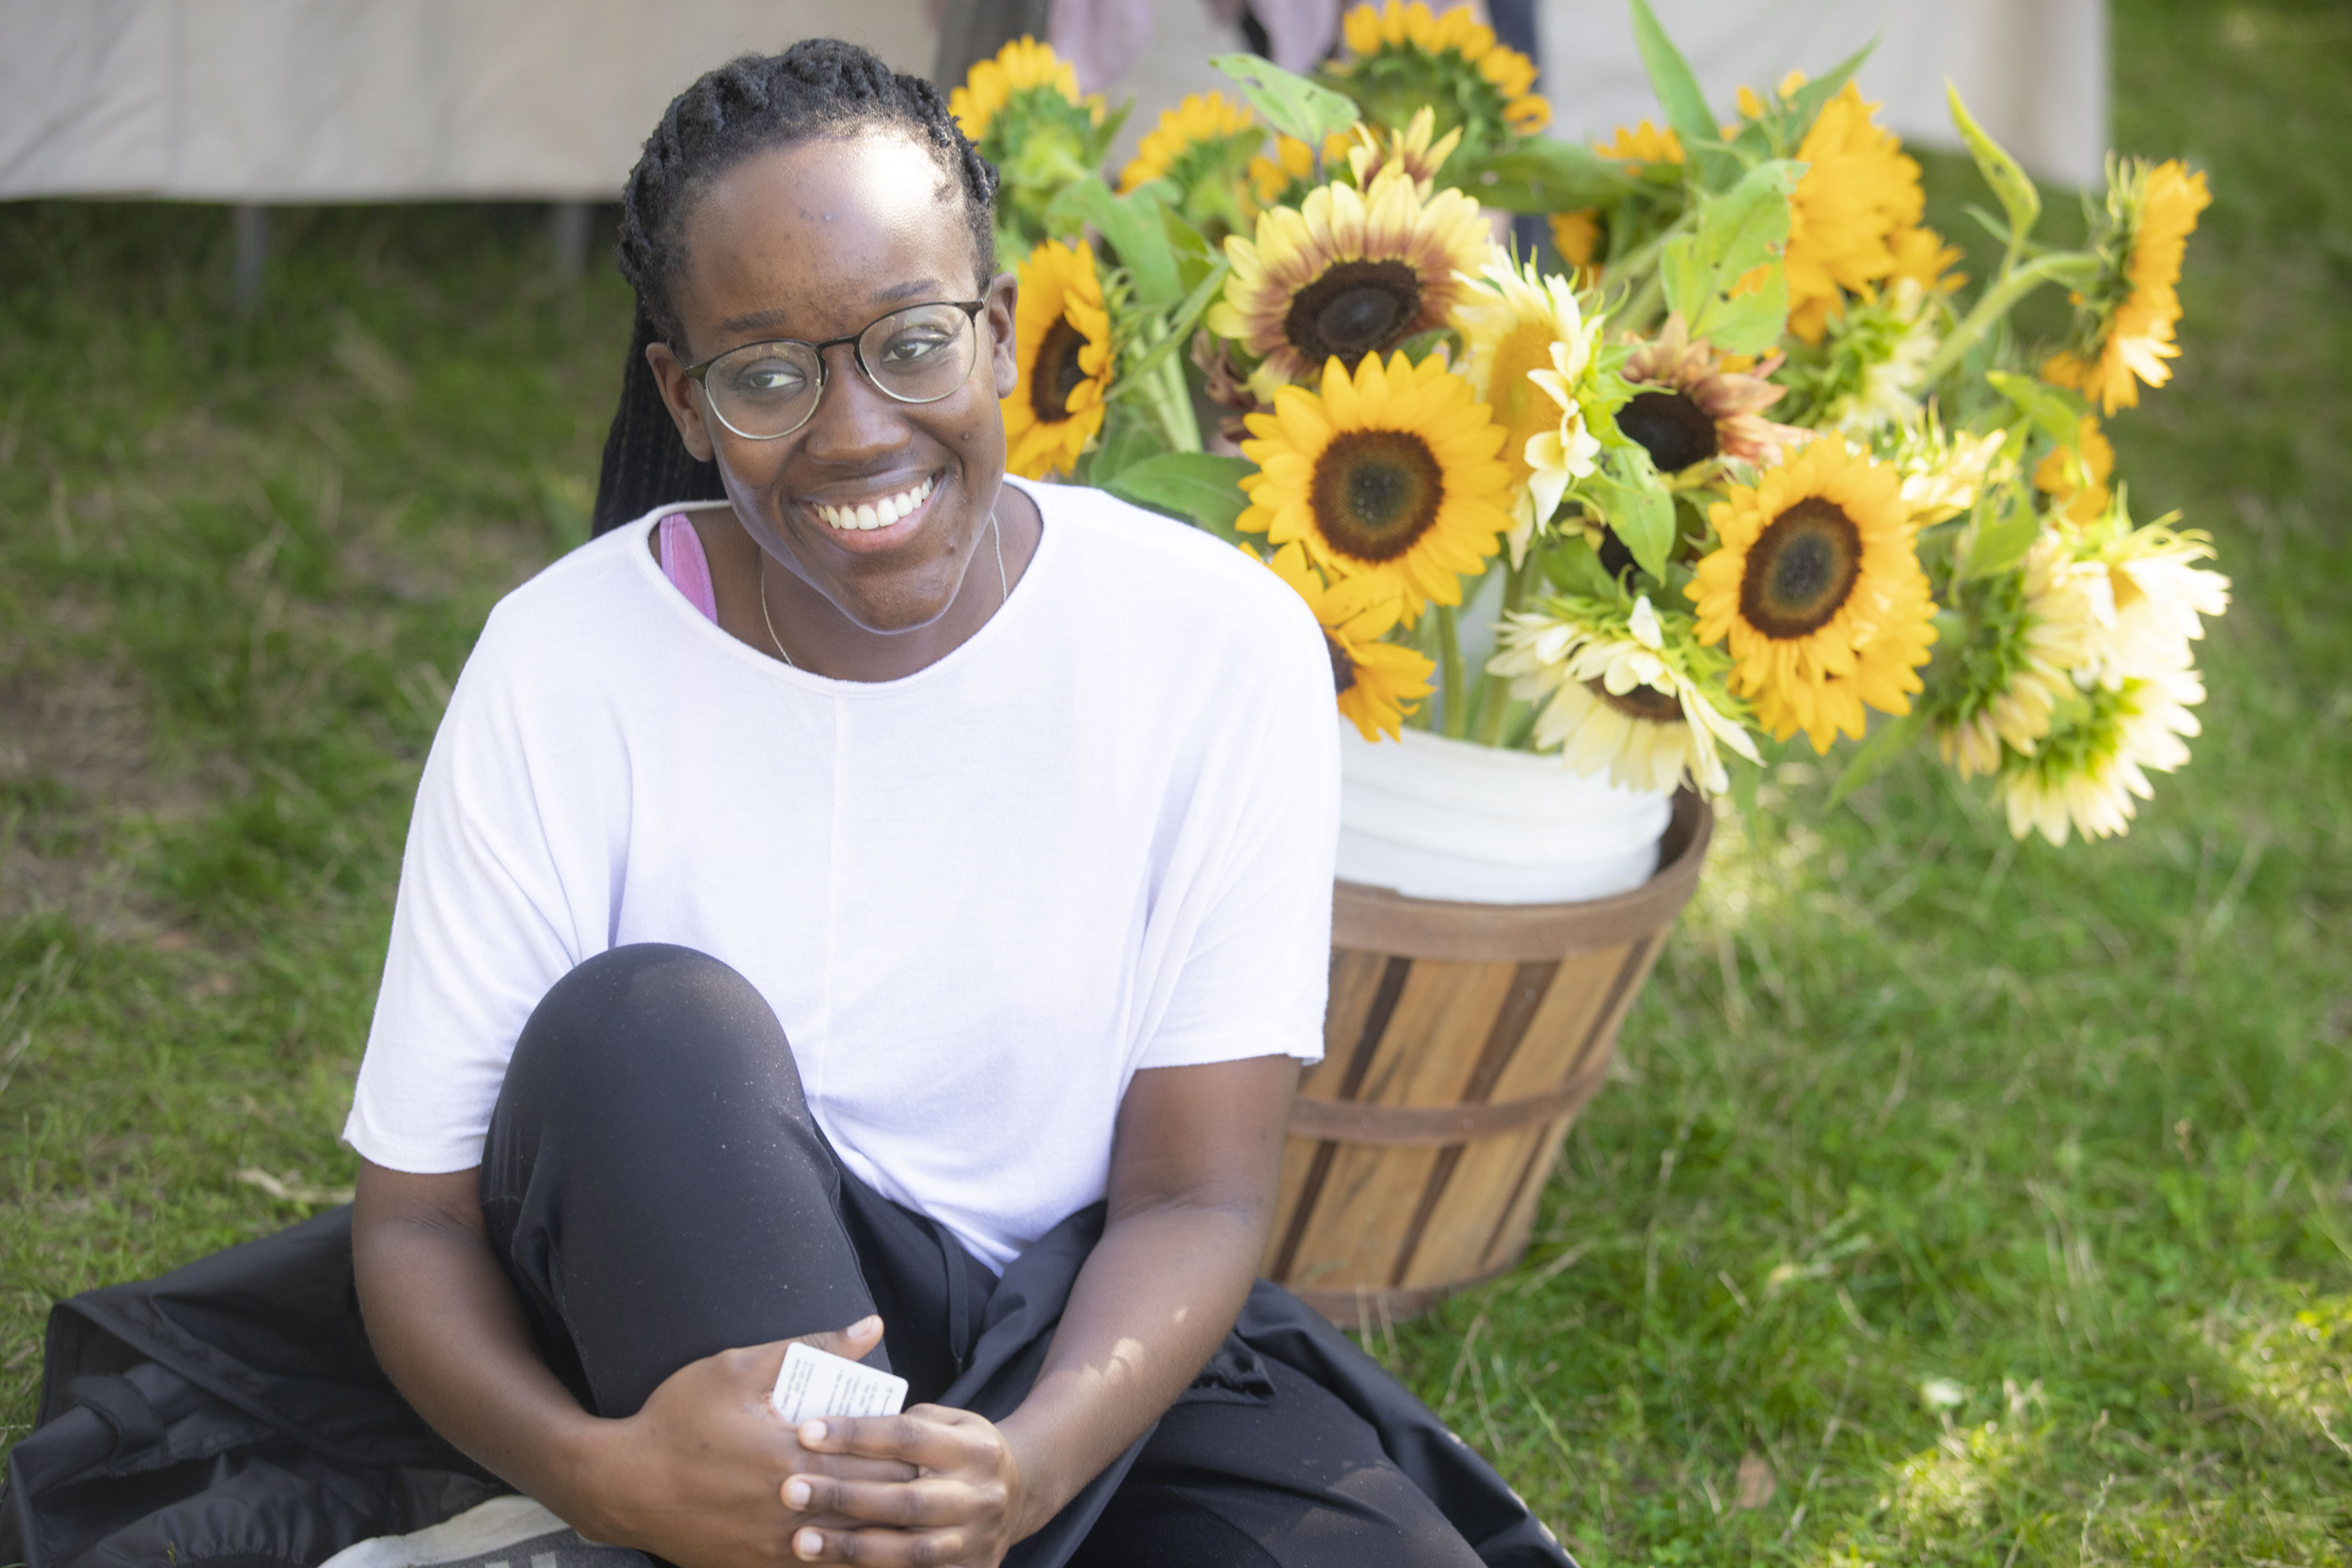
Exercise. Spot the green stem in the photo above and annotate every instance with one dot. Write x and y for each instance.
(1997, 302)
(1497, 709)
(1171, 399)
(1450, 669)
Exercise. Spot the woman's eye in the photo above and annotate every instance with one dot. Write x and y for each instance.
(767, 377)
(913, 344)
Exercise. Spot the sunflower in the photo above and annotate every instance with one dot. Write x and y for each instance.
(1581, 241)
(1390, 475)
(2123, 326)
(1201, 123)
(2086, 773)
(2151, 598)
(1944, 473)
(1378, 683)
(2076, 477)
(1618, 696)
(1062, 342)
(1642, 144)
(1346, 275)
(1858, 191)
(1818, 591)
(1022, 66)
(1689, 406)
(1406, 58)
(1508, 325)
(1417, 150)
(2033, 630)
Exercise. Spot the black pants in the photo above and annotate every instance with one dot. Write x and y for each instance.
(657, 1192)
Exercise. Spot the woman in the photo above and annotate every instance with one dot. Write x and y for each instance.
(887, 909)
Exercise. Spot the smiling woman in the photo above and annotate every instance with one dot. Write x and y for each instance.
(803, 936)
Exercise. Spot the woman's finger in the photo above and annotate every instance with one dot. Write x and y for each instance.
(926, 1436)
(926, 1504)
(853, 1343)
(880, 1549)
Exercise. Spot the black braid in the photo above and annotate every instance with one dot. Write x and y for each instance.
(819, 86)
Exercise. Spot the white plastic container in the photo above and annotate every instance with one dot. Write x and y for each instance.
(1432, 818)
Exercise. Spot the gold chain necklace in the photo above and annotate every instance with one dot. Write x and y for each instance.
(1004, 589)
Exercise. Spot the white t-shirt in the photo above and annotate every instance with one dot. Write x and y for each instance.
(1096, 837)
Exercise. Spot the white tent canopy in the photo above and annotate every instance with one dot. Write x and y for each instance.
(277, 100)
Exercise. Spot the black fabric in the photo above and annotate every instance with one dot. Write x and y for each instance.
(233, 1410)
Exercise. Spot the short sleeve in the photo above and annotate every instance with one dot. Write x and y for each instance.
(1255, 914)
(482, 928)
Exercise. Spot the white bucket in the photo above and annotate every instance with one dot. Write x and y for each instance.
(1432, 818)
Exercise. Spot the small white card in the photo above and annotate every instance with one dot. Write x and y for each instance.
(816, 1383)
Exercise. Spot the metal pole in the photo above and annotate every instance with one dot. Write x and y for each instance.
(567, 228)
(250, 222)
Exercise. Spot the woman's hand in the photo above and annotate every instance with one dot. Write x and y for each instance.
(699, 1475)
(966, 1505)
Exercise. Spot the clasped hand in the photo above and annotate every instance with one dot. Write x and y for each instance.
(705, 1476)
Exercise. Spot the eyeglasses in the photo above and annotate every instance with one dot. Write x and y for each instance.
(762, 391)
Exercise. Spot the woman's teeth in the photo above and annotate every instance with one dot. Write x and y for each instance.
(876, 514)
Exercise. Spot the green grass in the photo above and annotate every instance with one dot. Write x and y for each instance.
(2057, 1138)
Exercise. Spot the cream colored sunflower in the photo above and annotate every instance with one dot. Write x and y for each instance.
(2150, 597)
(1817, 589)
(2019, 671)
(1062, 342)
(1417, 150)
(1378, 683)
(1345, 276)
(2087, 774)
(1617, 699)
(1387, 474)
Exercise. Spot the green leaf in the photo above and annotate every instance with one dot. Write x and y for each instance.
(1997, 545)
(1683, 99)
(1290, 102)
(1735, 232)
(1200, 488)
(1806, 106)
(1135, 228)
(2054, 412)
(1574, 567)
(1635, 506)
(2017, 189)
(1889, 740)
(1542, 174)
(1127, 440)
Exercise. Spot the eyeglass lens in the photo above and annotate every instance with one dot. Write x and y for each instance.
(920, 355)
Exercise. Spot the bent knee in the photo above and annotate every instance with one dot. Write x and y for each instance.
(649, 1011)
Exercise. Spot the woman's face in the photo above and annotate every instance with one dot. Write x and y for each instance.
(814, 241)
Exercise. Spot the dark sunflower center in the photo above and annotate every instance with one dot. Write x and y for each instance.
(1343, 667)
(1646, 703)
(1801, 569)
(1354, 309)
(1671, 427)
(1375, 492)
(1056, 373)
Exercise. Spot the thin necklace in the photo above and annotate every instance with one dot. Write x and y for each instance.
(1003, 590)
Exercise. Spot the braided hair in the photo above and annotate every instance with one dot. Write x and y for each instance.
(816, 88)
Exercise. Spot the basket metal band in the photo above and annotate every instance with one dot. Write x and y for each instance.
(1436, 1126)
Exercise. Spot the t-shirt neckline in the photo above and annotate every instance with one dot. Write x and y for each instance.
(1041, 559)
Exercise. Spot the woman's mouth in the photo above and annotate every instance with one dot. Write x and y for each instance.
(880, 512)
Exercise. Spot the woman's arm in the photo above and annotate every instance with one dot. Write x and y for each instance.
(696, 1476)
(1191, 1199)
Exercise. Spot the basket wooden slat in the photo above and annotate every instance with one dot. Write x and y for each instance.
(1460, 1042)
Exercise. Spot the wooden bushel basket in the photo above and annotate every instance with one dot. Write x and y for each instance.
(1460, 1043)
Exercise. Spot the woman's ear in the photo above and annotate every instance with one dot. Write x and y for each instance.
(677, 391)
(1003, 292)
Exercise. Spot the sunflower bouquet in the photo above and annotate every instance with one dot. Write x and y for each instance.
(1740, 456)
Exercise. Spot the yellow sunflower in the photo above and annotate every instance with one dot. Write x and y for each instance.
(1019, 66)
(2126, 338)
(1378, 683)
(1858, 190)
(1642, 144)
(1201, 118)
(1820, 593)
(1508, 325)
(2076, 477)
(1580, 239)
(1346, 275)
(1063, 340)
(1293, 164)
(1401, 48)
(1388, 475)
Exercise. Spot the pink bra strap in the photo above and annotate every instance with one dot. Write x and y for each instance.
(686, 567)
